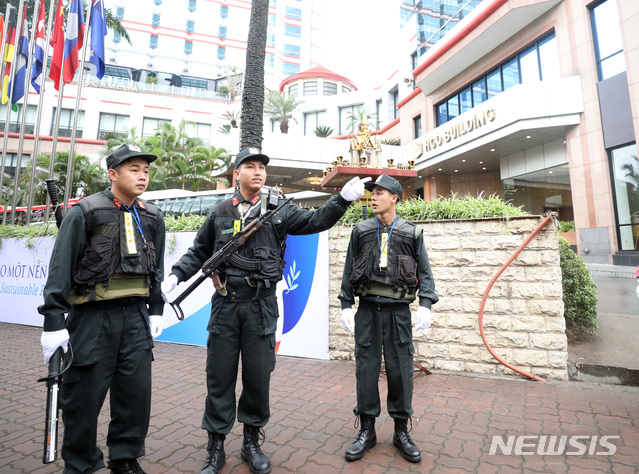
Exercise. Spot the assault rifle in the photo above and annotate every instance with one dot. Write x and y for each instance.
(53, 194)
(55, 371)
(219, 258)
(52, 419)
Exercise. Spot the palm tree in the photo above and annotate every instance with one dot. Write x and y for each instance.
(115, 140)
(323, 131)
(356, 117)
(88, 177)
(253, 94)
(209, 160)
(281, 108)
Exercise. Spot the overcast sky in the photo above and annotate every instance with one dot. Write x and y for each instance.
(360, 36)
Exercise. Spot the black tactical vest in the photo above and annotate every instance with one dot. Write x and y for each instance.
(109, 265)
(399, 278)
(261, 257)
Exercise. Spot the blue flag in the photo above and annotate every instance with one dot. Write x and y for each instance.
(38, 51)
(98, 32)
(21, 62)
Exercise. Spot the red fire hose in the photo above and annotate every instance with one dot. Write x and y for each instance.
(548, 218)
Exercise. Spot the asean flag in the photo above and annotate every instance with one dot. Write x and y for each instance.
(73, 39)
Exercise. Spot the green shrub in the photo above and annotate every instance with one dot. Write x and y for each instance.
(566, 226)
(450, 207)
(580, 296)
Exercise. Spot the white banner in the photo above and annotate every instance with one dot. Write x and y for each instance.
(302, 295)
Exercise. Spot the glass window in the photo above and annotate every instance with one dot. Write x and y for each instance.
(465, 100)
(493, 83)
(116, 72)
(112, 123)
(479, 92)
(442, 114)
(224, 11)
(158, 2)
(292, 50)
(294, 13)
(192, 5)
(310, 88)
(549, 58)
(345, 90)
(221, 52)
(395, 101)
(607, 39)
(289, 69)
(312, 120)
(117, 37)
(453, 107)
(292, 90)
(529, 66)
(417, 126)
(542, 191)
(66, 123)
(222, 32)
(292, 31)
(16, 116)
(120, 13)
(153, 43)
(344, 117)
(626, 184)
(270, 39)
(199, 130)
(270, 60)
(151, 125)
(190, 26)
(155, 21)
(271, 20)
(510, 73)
(330, 88)
(188, 47)
(194, 82)
(378, 111)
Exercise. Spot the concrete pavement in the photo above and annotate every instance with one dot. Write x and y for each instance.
(455, 420)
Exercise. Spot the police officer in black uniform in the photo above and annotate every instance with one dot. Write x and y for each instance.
(105, 272)
(244, 314)
(387, 267)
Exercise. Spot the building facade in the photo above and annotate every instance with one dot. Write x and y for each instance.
(536, 101)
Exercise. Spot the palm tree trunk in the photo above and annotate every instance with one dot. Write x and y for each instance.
(253, 93)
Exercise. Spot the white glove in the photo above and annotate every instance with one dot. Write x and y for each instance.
(354, 189)
(156, 324)
(51, 340)
(168, 285)
(422, 318)
(348, 319)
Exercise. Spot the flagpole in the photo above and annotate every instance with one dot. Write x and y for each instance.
(36, 139)
(36, 131)
(6, 123)
(8, 119)
(25, 105)
(76, 110)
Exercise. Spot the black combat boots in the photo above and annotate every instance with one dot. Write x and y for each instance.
(215, 456)
(251, 451)
(402, 440)
(366, 439)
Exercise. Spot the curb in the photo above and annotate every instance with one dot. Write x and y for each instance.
(603, 374)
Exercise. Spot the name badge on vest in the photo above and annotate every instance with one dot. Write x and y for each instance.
(383, 258)
(131, 247)
(237, 226)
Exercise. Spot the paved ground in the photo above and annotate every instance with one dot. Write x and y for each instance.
(615, 344)
(455, 419)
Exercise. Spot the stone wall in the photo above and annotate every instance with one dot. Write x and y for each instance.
(523, 315)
